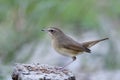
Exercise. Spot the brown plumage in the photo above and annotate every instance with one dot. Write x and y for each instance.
(65, 45)
(92, 43)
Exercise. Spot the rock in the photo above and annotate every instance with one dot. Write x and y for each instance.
(40, 72)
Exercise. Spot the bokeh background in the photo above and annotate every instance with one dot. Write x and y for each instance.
(22, 41)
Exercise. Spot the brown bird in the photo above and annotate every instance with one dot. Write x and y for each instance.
(66, 46)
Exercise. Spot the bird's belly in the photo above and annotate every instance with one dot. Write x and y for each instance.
(66, 52)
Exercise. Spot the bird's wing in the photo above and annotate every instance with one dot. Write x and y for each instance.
(76, 47)
(73, 47)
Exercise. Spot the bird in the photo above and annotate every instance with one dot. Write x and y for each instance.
(67, 46)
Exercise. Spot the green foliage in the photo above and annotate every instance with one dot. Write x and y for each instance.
(112, 8)
(21, 22)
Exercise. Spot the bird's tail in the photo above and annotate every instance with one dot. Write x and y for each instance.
(91, 43)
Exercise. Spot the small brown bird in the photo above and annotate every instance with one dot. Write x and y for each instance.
(66, 46)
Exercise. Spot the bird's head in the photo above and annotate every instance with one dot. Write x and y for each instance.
(53, 32)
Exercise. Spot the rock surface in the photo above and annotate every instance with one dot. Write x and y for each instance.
(40, 72)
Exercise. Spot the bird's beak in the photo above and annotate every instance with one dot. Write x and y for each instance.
(45, 30)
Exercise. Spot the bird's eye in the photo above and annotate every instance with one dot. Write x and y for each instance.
(51, 30)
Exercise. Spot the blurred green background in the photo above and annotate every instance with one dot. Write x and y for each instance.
(22, 41)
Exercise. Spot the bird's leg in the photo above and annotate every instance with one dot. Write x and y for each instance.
(74, 58)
